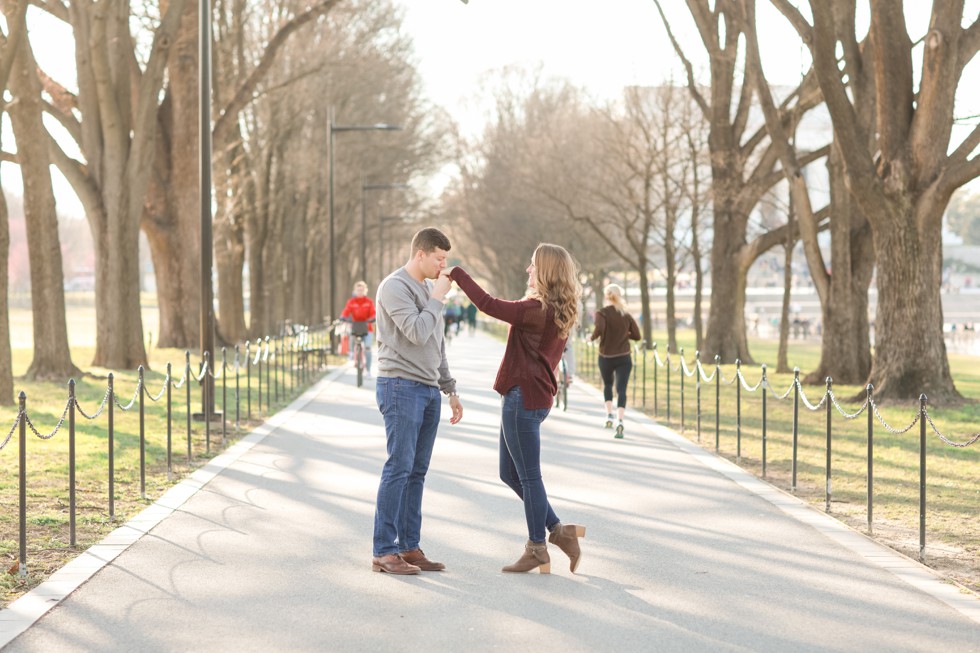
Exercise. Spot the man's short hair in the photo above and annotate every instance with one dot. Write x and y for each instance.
(430, 239)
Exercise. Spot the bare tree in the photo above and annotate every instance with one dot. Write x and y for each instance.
(15, 15)
(52, 356)
(846, 352)
(117, 101)
(742, 166)
(904, 184)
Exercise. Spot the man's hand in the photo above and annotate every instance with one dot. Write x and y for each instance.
(441, 287)
(457, 407)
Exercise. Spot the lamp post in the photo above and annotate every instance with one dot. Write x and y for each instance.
(331, 130)
(364, 189)
(207, 295)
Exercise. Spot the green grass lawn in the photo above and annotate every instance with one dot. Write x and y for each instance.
(47, 488)
(953, 473)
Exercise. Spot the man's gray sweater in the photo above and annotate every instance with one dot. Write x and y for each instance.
(410, 332)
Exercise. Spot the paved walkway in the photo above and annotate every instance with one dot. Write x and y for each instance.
(268, 549)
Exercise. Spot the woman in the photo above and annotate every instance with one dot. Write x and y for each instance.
(614, 328)
(360, 308)
(539, 326)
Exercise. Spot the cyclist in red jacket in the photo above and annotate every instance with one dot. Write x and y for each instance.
(360, 308)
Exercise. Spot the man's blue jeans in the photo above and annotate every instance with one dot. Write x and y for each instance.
(411, 413)
(520, 461)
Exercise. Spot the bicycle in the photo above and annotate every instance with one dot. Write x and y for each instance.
(358, 331)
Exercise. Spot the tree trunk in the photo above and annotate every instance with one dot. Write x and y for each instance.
(782, 355)
(6, 360)
(910, 352)
(119, 323)
(645, 312)
(845, 347)
(670, 255)
(172, 218)
(229, 258)
(52, 356)
(726, 316)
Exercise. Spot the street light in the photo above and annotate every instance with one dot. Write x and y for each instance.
(365, 188)
(331, 129)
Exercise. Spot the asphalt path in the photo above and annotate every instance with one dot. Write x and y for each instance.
(681, 554)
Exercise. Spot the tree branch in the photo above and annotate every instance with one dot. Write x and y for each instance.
(17, 27)
(691, 82)
(787, 156)
(228, 115)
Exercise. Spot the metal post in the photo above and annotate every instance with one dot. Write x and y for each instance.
(655, 366)
(697, 386)
(140, 392)
(871, 458)
(717, 402)
(208, 401)
(170, 472)
(646, 345)
(668, 384)
(765, 385)
(332, 252)
(112, 448)
(682, 389)
(224, 394)
(258, 354)
(922, 477)
(738, 410)
(238, 390)
(187, 383)
(829, 490)
(207, 297)
(248, 383)
(796, 421)
(71, 462)
(22, 460)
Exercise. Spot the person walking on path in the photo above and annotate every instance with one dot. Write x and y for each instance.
(614, 328)
(412, 371)
(539, 327)
(360, 308)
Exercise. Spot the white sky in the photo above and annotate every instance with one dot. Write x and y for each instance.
(599, 46)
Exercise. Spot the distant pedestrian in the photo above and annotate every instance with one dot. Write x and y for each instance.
(614, 328)
(412, 370)
(540, 324)
(471, 311)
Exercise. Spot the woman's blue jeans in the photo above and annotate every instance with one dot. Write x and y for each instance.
(520, 461)
(411, 413)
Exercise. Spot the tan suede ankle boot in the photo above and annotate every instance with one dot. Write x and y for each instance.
(565, 537)
(535, 556)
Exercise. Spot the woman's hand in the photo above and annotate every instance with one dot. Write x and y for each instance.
(447, 271)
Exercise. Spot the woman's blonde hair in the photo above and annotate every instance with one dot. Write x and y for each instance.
(556, 284)
(614, 294)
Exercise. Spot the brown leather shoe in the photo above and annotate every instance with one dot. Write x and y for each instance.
(565, 537)
(417, 558)
(535, 557)
(392, 564)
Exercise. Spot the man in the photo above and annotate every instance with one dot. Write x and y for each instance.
(412, 371)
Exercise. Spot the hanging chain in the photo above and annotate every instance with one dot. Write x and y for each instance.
(843, 412)
(973, 440)
(105, 401)
(50, 435)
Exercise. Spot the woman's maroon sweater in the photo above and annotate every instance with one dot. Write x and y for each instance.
(533, 349)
